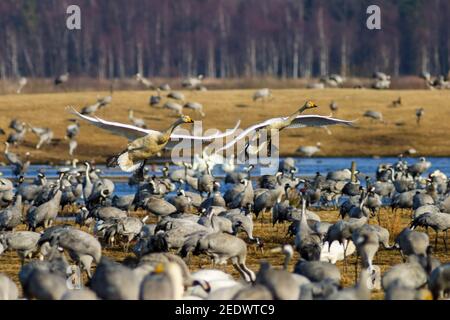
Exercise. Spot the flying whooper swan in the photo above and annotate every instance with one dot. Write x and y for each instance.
(293, 121)
(145, 143)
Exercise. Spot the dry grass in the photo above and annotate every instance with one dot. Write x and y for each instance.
(224, 107)
(273, 237)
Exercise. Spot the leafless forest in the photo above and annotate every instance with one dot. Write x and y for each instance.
(223, 38)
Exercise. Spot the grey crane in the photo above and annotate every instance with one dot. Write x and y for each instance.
(411, 242)
(262, 94)
(61, 79)
(181, 201)
(45, 135)
(309, 151)
(307, 241)
(242, 221)
(24, 242)
(374, 115)
(287, 164)
(22, 83)
(397, 102)
(82, 247)
(206, 182)
(143, 81)
(159, 207)
(192, 82)
(164, 87)
(360, 292)
(240, 195)
(176, 95)
(11, 217)
(17, 125)
(155, 100)
(17, 137)
(221, 247)
(318, 271)
(419, 167)
(11, 157)
(215, 199)
(342, 232)
(197, 107)
(21, 168)
(422, 199)
(137, 122)
(419, 114)
(130, 228)
(44, 214)
(173, 106)
(113, 281)
(72, 129)
(45, 285)
(280, 283)
(439, 281)
(106, 100)
(367, 244)
(425, 209)
(439, 222)
(410, 275)
(215, 222)
(334, 107)
(90, 109)
(107, 212)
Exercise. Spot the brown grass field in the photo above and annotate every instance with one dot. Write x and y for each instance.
(273, 237)
(224, 107)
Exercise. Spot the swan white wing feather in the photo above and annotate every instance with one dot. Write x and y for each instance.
(125, 130)
(208, 138)
(132, 132)
(247, 131)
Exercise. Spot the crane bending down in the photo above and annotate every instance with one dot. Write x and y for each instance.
(145, 143)
(293, 121)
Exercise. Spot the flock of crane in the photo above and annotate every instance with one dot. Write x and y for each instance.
(188, 211)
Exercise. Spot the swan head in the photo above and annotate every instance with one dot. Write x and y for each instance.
(308, 105)
(187, 119)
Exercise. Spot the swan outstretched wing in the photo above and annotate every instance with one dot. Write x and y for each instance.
(207, 138)
(246, 132)
(317, 121)
(125, 130)
(298, 122)
(132, 132)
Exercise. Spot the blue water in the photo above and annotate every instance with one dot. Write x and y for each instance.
(306, 167)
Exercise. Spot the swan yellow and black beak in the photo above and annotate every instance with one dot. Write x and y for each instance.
(311, 105)
(187, 119)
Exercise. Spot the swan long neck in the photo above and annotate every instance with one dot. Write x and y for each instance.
(295, 114)
(169, 130)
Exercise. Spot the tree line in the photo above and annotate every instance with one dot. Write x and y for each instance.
(223, 38)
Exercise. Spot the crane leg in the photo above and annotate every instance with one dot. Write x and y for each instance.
(436, 241)
(445, 240)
